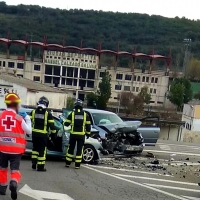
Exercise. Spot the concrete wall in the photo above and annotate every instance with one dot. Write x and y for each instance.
(56, 100)
(190, 136)
(173, 133)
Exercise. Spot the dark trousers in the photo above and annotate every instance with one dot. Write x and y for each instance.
(15, 175)
(79, 140)
(39, 151)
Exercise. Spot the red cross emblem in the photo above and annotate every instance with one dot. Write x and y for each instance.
(8, 123)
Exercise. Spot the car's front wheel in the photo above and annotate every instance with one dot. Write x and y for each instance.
(89, 154)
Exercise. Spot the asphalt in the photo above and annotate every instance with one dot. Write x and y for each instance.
(108, 182)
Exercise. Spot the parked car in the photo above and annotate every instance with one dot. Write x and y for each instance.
(128, 134)
(92, 147)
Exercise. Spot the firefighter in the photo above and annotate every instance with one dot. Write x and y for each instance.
(42, 120)
(80, 126)
(13, 129)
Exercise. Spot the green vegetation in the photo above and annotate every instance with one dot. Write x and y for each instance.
(180, 92)
(103, 95)
(104, 92)
(145, 95)
(70, 102)
(110, 28)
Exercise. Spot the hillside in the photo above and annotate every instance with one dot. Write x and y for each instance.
(93, 26)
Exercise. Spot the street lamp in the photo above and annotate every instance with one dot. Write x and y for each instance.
(187, 43)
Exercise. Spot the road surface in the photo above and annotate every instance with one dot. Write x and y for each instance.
(103, 182)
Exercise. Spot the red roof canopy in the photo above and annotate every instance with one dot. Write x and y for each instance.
(98, 51)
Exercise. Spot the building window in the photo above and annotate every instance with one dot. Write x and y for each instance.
(101, 74)
(20, 65)
(138, 78)
(154, 91)
(137, 89)
(19, 75)
(134, 78)
(147, 79)
(151, 90)
(0, 63)
(159, 102)
(143, 79)
(119, 76)
(152, 101)
(118, 87)
(37, 67)
(11, 64)
(36, 78)
(133, 89)
(128, 77)
(4, 63)
(156, 80)
(126, 88)
(152, 79)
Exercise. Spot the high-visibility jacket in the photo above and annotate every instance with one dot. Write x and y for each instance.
(12, 136)
(79, 121)
(42, 120)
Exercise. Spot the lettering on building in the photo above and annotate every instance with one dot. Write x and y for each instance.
(70, 59)
(4, 91)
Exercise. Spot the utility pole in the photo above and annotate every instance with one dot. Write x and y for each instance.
(187, 46)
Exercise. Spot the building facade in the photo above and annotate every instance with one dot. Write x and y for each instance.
(191, 116)
(80, 74)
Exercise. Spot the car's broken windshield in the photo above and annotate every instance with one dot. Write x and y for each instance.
(106, 118)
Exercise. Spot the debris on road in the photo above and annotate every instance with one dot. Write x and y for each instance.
(180, 167)
(149, 154)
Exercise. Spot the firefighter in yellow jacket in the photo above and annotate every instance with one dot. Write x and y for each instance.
(80, 126)
(42, 120)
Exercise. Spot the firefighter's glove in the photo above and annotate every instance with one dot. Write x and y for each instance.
(23, 114)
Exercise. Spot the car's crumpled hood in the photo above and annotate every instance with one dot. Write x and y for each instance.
(127, 126)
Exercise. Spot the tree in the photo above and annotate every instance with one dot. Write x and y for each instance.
(176, 94)
(104, 91)
(91, 99)
(193, 71)
(138, 104)
(70, 102)
(187, 94)
(145, 95)
(127, 101)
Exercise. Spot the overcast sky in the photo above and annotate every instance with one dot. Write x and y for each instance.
(168, 8)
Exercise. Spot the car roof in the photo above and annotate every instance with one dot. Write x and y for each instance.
(97, 111)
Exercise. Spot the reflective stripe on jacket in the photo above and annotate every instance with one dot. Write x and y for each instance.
(12, 136)
(79, 122)
(42, 120)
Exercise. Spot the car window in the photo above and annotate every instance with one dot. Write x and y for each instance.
(106, 118)
(59, 127)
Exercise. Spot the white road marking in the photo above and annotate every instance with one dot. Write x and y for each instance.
(180, 145)
(165, 147)
(171, 187)
(128, 170)
(170, 152)
(156, 179)
(139, 184)
(192, 198)
(41, 195)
